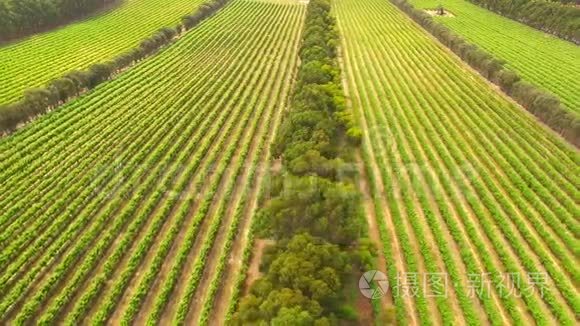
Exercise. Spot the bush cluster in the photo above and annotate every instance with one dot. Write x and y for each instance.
(39, 100)
(542, 104)
(314, 211)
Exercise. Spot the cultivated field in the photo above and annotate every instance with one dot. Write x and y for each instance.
(112, 206)
(545, 61)
(462, 181)
(37, 60)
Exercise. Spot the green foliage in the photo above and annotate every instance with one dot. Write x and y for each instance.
(365, 254)
(305, 276)
(315, 72)
(316, 205)
(292, 316)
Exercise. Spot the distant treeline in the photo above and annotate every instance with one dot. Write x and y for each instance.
(20, 18)
(315, 212)
(542, 104)
(566, 2)
(37, 101)
(549, 16)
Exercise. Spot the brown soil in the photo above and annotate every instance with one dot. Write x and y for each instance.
(434, 12)
(364, 309)
(254, 268)
(374, 235)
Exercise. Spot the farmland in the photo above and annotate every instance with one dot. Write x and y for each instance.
(462, 181)
(545, 61)
(35, 61)
(112, 205)
(248, 165)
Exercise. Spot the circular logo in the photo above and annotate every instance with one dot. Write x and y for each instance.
(373, 284)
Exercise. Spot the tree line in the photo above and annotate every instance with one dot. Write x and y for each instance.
(567, 2)
(314, 211)
(20, 18)
(542, 104)
(37, 101)
(549, 16)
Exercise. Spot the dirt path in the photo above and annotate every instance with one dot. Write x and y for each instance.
(254, 266)
(364, 306)
(374, 234)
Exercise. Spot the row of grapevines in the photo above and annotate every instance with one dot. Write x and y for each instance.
(427, 89)
(223, 164)
(217, 270)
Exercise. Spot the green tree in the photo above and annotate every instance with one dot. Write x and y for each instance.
(322, 207)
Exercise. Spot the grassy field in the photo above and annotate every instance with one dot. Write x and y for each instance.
(112, 205)
(462, 181)
(541, 59)
(35, 61)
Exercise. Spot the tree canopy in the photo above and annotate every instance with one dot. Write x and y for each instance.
(302, 287)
